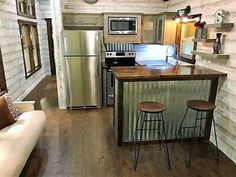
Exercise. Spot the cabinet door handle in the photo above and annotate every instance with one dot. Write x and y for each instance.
(110, 96)
(112, 80)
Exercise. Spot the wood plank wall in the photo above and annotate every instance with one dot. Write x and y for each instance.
(138, 6)
(45, 12)
(10, 42)
(45, 8)
(226, 99)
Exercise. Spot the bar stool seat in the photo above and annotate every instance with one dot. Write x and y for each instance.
(151, 107)
(201, 105)
(153, 122)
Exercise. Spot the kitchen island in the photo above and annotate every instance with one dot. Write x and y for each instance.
(169, 84)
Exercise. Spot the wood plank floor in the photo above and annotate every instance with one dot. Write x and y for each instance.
(81, 143)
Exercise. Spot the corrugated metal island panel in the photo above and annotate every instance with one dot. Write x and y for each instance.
(173, 94)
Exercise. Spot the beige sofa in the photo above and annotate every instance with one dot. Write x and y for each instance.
(18, 140)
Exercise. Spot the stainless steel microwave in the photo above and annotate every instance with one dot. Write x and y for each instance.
(122, 25)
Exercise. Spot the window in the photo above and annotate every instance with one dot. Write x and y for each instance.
(3, 86)
(30, 47)
(26, 8)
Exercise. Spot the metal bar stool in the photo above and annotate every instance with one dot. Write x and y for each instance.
(143, 109)
(199, 106)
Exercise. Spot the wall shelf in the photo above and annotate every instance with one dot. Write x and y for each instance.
(210, 55)
(203, 40)
(220, 25)
(224, 27)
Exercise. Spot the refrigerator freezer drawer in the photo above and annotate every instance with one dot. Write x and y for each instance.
(83, 76)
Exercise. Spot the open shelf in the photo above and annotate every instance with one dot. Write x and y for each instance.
(219, 25)
(210, 55)
(203, 40)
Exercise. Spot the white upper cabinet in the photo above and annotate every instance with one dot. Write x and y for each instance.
(149, 28)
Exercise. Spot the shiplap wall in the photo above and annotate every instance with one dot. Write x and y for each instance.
(225, 113)
(45, 8)
(139, 6)
(10, 44)
(45, 11)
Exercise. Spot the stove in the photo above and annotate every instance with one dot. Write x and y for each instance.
(118, 58)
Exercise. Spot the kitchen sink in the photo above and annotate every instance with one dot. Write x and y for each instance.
(160, 67)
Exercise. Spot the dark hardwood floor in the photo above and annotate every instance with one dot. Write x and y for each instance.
(81, 143)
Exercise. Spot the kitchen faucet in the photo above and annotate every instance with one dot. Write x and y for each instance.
(177, 53)
(167, 56)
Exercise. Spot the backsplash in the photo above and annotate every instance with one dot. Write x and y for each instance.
(146, 52)
(119, 47)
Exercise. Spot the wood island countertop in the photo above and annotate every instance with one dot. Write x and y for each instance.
(164, 71)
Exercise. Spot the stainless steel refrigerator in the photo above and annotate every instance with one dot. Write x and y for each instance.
(82, 55)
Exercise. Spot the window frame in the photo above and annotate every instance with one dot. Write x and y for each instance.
(31, 59)
(26, 14)
(3, 85)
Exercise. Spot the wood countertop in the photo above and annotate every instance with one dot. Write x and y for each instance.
(164, 71)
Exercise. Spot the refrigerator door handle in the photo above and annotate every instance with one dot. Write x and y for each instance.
(65, 42)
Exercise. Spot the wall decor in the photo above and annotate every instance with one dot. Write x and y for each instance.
(91, 1)
(217, 44)
(221, 16)
(201, 32)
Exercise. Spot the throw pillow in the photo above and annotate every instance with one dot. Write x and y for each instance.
(6, 118)
(13, 110)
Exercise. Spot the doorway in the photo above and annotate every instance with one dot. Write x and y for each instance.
(50, 45)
